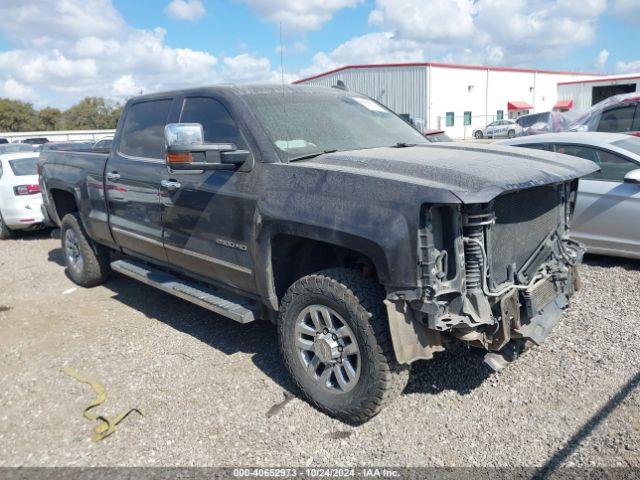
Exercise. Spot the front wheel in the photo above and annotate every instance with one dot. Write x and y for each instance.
(335, 341)
(511, 134)
(478, 135)
(85, 266)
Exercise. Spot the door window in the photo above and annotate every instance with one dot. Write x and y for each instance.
(613, 167)
(217, 124)
(537, 146)
(617, 119)
(578, 151)
(143, 130)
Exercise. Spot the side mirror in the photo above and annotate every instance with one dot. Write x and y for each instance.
(186, 150)
(633, 176)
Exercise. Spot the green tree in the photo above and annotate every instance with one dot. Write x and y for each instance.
(16, 116)
(49, 119)
(91, 113)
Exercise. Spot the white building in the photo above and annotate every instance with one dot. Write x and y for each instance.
(454, 98)
(582, 94)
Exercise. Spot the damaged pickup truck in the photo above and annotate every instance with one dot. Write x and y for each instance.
(322, 211)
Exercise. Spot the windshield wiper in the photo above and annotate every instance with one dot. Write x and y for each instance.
(311, 155)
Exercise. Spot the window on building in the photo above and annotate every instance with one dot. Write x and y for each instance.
(500, 114)
(450, 119)
(467, 118)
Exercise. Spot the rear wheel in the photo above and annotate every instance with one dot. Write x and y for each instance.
(478, 134)
(5, 232)
(85, 267)
(511, 133)
(335, 341)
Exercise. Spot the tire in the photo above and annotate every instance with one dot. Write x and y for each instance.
(85, 267)
(511, 134)
(5, 232)
(357, 304)
(478, 134)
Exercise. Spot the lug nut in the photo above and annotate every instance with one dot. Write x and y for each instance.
(334, 336)
(326, 330)
(340, 349)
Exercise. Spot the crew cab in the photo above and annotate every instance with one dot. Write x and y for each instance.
(324, 212)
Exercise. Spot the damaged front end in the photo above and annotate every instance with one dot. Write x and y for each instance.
(492, 274)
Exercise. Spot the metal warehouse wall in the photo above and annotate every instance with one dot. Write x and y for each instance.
(402, 89)
(581, 93)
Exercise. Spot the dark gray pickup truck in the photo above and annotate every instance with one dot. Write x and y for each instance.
(322, 211)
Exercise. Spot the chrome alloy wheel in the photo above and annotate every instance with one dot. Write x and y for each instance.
(327, 348)
(72, 251)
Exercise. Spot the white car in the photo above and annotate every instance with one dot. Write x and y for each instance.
(499, 128)
(20, 197)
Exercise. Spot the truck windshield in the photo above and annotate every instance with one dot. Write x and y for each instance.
(302, 122)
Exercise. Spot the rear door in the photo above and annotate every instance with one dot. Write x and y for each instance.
(132, 179)
(607, 208)
(209, 215)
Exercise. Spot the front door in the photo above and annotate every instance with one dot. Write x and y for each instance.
(607, 208)
(208, 216)
(132, 180)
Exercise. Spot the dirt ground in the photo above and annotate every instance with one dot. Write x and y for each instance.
(212, 390)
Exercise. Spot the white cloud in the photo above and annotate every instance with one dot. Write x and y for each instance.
(439, 20)
(489, 31)
(381, 47)
(628, 10)
(16, 90)
(298, 15)
(628, 67)
(602, 58)
(190, 10)
(77, 55)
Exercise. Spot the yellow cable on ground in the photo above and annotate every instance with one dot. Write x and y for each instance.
(107, 425)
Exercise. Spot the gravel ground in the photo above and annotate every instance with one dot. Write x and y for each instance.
(208, 386)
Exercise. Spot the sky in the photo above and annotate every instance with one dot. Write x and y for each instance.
(55, 52)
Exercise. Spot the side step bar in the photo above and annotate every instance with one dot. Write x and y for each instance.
(232, 307)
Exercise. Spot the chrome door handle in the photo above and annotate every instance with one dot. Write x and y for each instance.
(170, 184)
(113, 176)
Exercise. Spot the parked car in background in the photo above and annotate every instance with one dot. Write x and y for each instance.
(543, 122)
(16, 147)
(436, 136)
(619, 114)
(607, 214)
(103, 145)
(3, 140)
(499, 128)
(72, 145)
(35, 140)
(20, 197)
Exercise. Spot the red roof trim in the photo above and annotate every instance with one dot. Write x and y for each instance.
(605, 79)
(519, 106)
(563, 104)
(443, 65)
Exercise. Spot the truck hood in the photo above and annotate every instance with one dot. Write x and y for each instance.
(473, 173)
